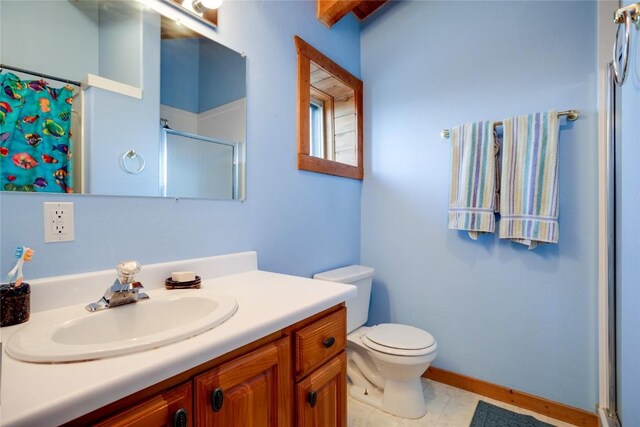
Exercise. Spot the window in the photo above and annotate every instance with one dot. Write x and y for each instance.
(317, 128)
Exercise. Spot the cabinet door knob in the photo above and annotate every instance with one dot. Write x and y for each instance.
(328, 342)
(312, 398)
(180, 418)
(217, 398)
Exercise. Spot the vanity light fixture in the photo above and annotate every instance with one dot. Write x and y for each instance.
(201, 6)
(205, 10)
(188, 4)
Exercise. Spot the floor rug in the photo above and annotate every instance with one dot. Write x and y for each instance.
(488, 415)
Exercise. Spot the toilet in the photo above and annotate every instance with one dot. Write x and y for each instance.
(384, 362)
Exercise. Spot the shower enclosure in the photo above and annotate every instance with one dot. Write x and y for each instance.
(621, 362)
(196, 166)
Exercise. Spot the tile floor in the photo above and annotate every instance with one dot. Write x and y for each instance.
(446, 407)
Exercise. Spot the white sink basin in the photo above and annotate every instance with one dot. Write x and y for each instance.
(73, 334)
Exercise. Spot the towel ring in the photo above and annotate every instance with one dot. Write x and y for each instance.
(617, 77)
(131, 154)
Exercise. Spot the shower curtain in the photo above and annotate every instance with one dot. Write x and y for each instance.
(35, 144)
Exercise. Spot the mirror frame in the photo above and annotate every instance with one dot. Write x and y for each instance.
(306, 54)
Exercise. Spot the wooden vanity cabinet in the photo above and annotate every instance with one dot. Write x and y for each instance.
(296, 376)
(252, 390)
(169, 408)
(321, 398)
(319, 341)
(321, 372)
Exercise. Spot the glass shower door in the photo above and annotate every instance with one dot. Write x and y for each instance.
(627, 232)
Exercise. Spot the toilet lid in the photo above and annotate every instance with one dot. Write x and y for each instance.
(402, 337)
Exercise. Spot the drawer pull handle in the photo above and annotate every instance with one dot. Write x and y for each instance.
(312, 398)
(328, 342)
(217, 399)
(180, 418)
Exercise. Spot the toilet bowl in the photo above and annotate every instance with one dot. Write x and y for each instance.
(392, 366)
(384, 362)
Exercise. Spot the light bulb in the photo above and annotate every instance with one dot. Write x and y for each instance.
(191, 6)
(200, 6)
(211, 4)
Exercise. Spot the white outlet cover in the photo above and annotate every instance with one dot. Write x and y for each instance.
(58, 222)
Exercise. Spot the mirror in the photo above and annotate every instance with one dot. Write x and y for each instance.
(161, 110)
(329, 115)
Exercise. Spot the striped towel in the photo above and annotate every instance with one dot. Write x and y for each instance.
(529, 185)
(473, 181)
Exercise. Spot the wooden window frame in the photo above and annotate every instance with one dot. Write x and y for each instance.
(306, 54)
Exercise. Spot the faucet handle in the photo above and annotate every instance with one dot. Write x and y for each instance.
(127, 270)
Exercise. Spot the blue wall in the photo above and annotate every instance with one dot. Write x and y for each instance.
(70, 48)
(120, 44)
(299, 222)
(629, 273)
(116, 123)
(198, 75)
(179, 73)
(220, 78)
(519, 318)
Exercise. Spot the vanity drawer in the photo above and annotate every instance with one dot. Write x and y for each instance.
(320, 341)
(173, 407)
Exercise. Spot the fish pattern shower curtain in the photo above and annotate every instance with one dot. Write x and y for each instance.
(35, 144)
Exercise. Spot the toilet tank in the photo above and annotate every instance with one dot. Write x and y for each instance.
(361, 277)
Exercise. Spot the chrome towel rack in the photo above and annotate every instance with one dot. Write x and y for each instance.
(625, 15)
(572, 115)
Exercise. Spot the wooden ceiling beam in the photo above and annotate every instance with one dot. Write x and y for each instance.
(367, 7)
(331, 11)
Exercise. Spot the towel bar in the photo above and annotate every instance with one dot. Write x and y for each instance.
(572, 115)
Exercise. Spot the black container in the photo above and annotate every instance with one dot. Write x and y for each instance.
(169, 283)
(15, 304)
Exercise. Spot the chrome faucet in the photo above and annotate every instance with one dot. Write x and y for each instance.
(124, 290)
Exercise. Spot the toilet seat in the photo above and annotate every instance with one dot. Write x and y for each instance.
(399, 340)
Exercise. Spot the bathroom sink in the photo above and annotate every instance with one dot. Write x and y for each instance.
(74, 334)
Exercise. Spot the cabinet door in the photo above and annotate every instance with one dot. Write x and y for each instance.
(169, 408)
(254, 390)
(321, 398)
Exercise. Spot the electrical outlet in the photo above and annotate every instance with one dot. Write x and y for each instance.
(58, 222)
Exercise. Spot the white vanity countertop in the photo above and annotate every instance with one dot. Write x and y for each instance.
(51, 394)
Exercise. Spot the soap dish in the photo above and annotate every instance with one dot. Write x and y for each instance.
(169, 283)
